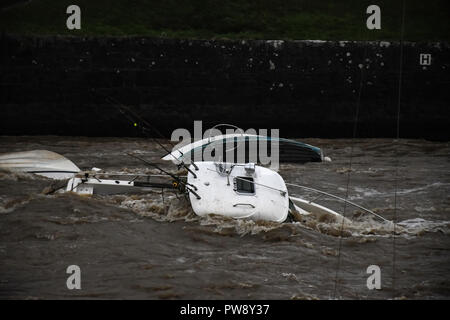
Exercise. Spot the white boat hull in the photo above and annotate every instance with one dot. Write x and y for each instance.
(41, 162)
(218, 193)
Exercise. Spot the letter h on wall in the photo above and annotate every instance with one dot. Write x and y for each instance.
(425, 59)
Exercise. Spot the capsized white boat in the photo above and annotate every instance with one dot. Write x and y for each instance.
(251, 191)
(230, 189)
(237, 190)
(41, 162)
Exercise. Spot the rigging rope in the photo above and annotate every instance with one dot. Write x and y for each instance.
(355, 126)
(400, 79)
(134, 118)
(339, 198)
(394, 221)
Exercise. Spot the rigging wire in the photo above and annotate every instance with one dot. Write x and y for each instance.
(134, 118)
(400, 80)
(396, 156)
(355, 127)
(175, 177)
(187, 185)
(339, 198)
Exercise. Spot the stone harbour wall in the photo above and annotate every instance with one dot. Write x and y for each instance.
(57, 85)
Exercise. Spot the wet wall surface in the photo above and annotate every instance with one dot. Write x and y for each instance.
(58, 85)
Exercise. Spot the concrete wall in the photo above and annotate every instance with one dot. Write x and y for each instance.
(305, 88)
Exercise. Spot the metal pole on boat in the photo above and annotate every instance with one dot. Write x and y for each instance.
(177, 179)
(336, 197)
(134, 118)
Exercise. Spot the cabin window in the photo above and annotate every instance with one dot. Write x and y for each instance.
(244, 185)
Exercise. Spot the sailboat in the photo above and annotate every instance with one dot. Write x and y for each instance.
(232, 189)
(235, 190)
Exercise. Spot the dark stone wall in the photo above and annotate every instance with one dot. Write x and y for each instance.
(55, 85)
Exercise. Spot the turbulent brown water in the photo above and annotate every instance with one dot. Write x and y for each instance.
(141, 246)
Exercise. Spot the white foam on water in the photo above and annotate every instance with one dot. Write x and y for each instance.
(367, 192)
(418, 225)
(174, 209)
(423, 188)
(422, 209)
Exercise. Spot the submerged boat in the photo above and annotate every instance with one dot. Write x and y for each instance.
(89, 183)
(235, 190)
(41, 162)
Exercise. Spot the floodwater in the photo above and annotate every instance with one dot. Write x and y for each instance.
(146, 246)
